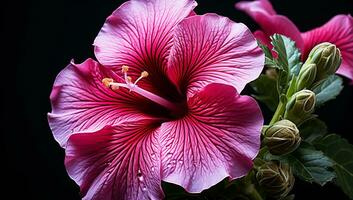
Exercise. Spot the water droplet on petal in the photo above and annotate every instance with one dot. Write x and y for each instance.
(139, 175)
(181, 162)
(153, 168)
(169, 155)
(153, 155)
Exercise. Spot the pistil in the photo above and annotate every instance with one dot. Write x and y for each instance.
(133, 87)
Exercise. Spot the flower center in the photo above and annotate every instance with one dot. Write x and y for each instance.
(133, 87)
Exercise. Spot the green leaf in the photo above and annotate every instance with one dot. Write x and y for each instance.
(266, 93)
(308, 164)
(328, 89)
(269, 62)
(311, 165)
(288, 61)
(288, 54)
(312, 130)
(282, 82)
(341, 153)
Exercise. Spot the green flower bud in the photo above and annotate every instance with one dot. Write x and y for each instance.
(307, 76)
(300, 106)
(282, 137)
(276, 179)
(327, 58)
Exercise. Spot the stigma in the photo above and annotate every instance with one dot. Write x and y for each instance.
(133, 87)
(109, 82)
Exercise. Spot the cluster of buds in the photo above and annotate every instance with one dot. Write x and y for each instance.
(275, 178)
(282, 137)
(323, 60)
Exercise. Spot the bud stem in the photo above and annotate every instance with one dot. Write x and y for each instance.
(251, 192)
(278, 113)
(281, 107)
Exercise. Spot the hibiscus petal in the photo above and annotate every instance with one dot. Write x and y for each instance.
(139, 33)
(252, 8)
(339, 31)
(262, 12)
(117, 162)
(263, 38)
(219, 138)
(80, 102)
(211, 48)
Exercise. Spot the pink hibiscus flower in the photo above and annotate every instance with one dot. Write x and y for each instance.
(163, 103)
(339, 31)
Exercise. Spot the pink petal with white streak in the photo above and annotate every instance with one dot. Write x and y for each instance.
(219, 138)
(213, 49)
(118, 162)
(339, 31)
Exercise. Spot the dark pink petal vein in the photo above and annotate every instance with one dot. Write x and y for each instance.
(116, 162)
(80, 102)
(218, 138)
(163, 103)
(139, 34)
(213, 49)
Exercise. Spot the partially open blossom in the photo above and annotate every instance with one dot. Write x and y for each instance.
(162, 103)
(338, 31)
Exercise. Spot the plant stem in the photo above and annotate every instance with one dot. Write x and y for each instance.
(281, 107)
(278, 113)
(253, 193)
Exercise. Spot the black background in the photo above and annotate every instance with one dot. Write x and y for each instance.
(38, 40)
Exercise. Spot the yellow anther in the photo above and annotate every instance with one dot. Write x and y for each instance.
(107, 81)
(129, 79)
(124, 68)
(144, 74)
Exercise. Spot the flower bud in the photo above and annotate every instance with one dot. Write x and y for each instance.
(300, 106)
(276, 179)
(327, 58)
(282, 137)
(307, 76)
